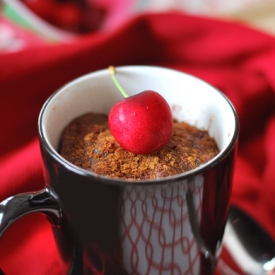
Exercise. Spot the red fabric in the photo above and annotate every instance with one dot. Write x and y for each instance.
(237, 60)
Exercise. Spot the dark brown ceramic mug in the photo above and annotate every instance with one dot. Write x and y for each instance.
(112, 226)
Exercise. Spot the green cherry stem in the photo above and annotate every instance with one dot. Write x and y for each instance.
(112, 71)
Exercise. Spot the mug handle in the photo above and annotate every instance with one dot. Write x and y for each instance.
(44, 201)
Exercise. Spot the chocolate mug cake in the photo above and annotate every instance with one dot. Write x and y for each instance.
(138, 140)
(116, 225)
(88, 143)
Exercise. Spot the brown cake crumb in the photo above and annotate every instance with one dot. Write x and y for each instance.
(88, 143)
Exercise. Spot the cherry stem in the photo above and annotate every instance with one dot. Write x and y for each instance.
(112, 71)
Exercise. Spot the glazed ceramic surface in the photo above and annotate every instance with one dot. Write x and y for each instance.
(167, 226)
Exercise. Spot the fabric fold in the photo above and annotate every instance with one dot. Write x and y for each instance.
(235, 59)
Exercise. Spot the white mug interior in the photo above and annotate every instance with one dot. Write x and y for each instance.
(191, 99)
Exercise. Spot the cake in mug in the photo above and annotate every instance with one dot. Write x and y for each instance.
(88, 143)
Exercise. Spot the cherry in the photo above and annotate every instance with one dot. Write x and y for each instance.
(142, 123)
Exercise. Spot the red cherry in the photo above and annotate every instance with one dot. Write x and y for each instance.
(141, 124)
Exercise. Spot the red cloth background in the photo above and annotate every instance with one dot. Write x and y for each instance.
(237, 60)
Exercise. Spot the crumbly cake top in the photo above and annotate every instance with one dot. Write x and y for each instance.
(88, 143)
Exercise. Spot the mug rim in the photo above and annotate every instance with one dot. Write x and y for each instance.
(120, 181)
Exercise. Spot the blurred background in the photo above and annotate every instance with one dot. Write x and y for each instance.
(27, 23)
(249, 82)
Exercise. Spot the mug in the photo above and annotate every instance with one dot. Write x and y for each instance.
(104, 225)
